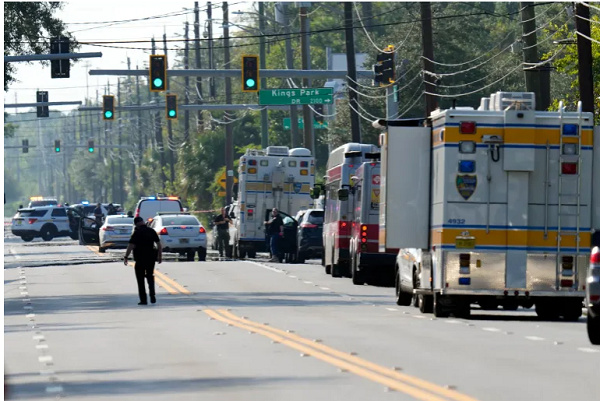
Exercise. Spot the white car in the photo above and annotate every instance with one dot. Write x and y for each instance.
(181, 233)
(115, 232)
(46, 222)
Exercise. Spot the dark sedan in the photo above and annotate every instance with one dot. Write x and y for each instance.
(310, 235)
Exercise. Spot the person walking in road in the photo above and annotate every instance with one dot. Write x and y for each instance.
(222, 222)
(142, 244)
(275, 231)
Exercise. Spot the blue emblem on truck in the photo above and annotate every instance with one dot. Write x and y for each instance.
(297, 187)
(466, 185)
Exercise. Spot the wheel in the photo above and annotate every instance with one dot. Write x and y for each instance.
(300, 257)
(572, 311)
(201, 254)
(402, 298)
(328, 269)
(74, 236)
(510, 305)
(48, 232)
(438, 308)
(546, 310)
(425, 303)
(357, 276)
(236, 251)
(27, 238)
(190, 255)
(336, 270)
(252, 254)
(593, 329)
(242, 253)
(101, 249)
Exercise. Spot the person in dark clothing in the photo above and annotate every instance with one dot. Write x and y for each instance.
(111, 209)
(98, 215)
(275, 232)
(142, 244)
(222, 222)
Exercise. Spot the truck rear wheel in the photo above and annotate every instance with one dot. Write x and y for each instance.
(593, 329)
(438, 307)
(252, 253)
(546, 310)
(425, 303)
(336, 270)
(357, 276)
(402, 298)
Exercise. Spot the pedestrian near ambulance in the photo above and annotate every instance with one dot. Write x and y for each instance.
(275, 230)
(145, 255)
(222, 222)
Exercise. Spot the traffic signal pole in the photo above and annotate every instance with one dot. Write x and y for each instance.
(307, 114)
(228, 126)
(264, 118)
(289, 59)
(158, 135)
(351, 61)
(169, 125)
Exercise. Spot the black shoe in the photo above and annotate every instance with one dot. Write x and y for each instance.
(152, 299)
(142, 303)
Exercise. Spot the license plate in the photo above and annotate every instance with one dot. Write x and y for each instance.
(184, 240)
(465, 242)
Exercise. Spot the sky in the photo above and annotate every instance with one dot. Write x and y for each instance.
(79, 14)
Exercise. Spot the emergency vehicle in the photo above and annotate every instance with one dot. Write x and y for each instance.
(492, 206)
(367, 263)
(339, 214)
(274, 177)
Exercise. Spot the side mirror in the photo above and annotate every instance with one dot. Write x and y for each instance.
(342, 194)
(315, 192)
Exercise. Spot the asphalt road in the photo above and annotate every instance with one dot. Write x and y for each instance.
(252, 330)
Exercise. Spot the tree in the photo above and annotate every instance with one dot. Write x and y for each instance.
(28, 27)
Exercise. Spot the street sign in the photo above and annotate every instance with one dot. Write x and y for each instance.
(222, 181)
(287, 123)
(295, 96)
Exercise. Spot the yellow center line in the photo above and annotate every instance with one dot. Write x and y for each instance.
(416, 387)
(165, 286)
(93, 249)
(172, 282)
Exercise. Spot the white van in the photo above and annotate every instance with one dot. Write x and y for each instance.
(149, 206)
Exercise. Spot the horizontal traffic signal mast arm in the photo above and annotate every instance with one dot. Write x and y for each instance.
(191, 107)
(15, 105)
(316, 74)
(58, 56)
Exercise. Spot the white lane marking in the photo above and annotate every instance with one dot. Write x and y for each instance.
(30, 315)
(325, 288)
(452, 321)
(38, 337)
(290, 276)
(308, 282)
(46, 358)
(392, 309)
(265, 266)
(534, 338)
(14, 253)
(26, 300)
(22, 287)
(47, 372)
(23, 282)
(588, 350)
(492, 329)
(41, 346)
(54, 389)
(24, 293)
(28, 307)
(419, 317)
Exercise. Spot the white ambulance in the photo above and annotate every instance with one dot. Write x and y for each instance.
(275, 177)
(492, 206)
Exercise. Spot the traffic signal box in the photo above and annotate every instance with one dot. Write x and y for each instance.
(42, 111)
(171, 107)
(108, 107)
(384, 69)
(57, 145)
(91, 145)
(60, 68)
(249, 73)
(158, 73)
(25, 144)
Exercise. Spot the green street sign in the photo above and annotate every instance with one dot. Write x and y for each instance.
(284, 97)
(287, 124)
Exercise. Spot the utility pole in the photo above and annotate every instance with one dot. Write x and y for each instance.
(228, 126)
(141, 137)
(199, 124)
(427, 37)
(120, 124)
(169, 125)
(584, 50)
(530, 53)
(158, 134)
(307, 114)
(351, 61)
(186, 65)
(264, 117)
(109, 152)
(211, 60)
(289, 59)
(131, 139)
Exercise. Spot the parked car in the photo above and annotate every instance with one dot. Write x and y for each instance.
(47, 222)
(115, 232)
(149, 206)
(38, 201)
(180, 233)
(310, 235)
(593, 297)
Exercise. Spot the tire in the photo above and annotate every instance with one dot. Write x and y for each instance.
(438, 308)
(101, 249)
(236, 251)
(27, 238)
(202, 254)
(241, 253)
(593, 329)
(252, 254)
(572, 311)
(357, 276)
(190, 255)
(74, 236)
(546, 310)
(48, 232)
(402, 298)
(328, 269)
(425, 303)
(300, 257)
(336, 270)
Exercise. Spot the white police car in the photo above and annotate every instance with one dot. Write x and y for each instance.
(115, 232)
(46, 222)
(180, 233)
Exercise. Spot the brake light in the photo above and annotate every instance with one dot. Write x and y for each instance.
(137, 212)
(595, 257)
(202, 230)
(594, 298)
(308, 225)
(566, 283)
(569, 168)
(163, 231)
(344, 224)
(31, 221)
(468, 127)
(108, 228)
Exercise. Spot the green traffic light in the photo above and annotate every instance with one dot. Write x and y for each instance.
(57, 149)
(250, 83)
(172, 113)
(91, 150)
(158, 83)
(108, 114)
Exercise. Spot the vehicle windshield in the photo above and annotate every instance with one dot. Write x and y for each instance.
(180, 221)
(120, 220)
(316, 217)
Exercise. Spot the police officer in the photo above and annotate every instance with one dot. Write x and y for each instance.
(275, 230)
(222, 222)
(142, 244)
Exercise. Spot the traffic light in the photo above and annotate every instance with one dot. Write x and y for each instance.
(108, 107)
(319, 118)
(158, 73)
(57, 145)
(249, 73)
(25, 143)
(388, 70)
(42, 111)
(91, 145)
(171, 102)
(59, 68)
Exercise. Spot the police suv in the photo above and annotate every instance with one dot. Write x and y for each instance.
(46, 222)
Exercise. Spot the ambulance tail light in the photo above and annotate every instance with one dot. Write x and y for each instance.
(252, 170)
(163, 231)
(202, 230)
(303, 164)
(566, 283)
(303, 172)
(567, 263)
(570, 129)
(252, 162)
(467, 127)
(569, 168)
(31, 221)
(595, 257)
